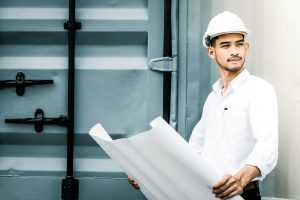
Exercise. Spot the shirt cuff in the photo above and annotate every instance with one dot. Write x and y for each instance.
(261, 168)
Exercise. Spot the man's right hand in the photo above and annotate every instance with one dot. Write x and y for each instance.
(133, 183)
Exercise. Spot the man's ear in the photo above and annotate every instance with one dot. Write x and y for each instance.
(211, 52)
(247, 47)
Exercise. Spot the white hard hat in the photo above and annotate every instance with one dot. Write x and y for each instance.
(225, 22)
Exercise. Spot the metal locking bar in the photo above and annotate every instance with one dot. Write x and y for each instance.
(70, 185)
(20, 83)
(39, 120)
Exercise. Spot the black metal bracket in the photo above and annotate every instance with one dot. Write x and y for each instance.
(39, 120)
(70, 188)
(20, 83)
(72, 25)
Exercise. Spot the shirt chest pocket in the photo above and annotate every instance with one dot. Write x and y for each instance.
(236, 123)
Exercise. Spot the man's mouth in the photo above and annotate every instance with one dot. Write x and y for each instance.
(234, 59)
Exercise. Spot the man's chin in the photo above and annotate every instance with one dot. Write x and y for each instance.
(233, 69)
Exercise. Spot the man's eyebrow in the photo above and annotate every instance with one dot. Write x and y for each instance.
(227, 42)
(224, 42)
(242, 40)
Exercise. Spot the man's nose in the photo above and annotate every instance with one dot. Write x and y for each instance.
(234, 50)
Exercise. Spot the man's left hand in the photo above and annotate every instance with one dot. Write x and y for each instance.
(227, 187)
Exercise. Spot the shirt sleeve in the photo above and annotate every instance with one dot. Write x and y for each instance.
(263, 116)
(197, 137)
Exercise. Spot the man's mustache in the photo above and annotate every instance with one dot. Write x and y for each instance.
(234, 58)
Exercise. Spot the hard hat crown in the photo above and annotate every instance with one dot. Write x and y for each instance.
(225, 22)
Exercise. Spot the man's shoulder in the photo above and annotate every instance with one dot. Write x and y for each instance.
(260, 84)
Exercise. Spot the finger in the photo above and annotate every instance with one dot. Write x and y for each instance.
(232, 194)
(231, 182)
(222, 181)
(133, 183)
(130, 179)
(136, 186)
(226, 192)
(235, 189)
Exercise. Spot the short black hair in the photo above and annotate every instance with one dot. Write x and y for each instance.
(211, 42)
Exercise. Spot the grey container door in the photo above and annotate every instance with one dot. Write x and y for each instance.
(114, 86)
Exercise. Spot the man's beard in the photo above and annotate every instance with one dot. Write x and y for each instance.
(231, 70)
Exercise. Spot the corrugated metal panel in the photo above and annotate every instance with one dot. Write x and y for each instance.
(114, 86)
(195, 68)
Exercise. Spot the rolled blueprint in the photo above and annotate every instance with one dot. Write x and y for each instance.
(163, 164)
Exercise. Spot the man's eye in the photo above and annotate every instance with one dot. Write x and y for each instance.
(240, 44)
(225, 46)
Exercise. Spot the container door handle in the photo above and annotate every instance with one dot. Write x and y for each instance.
(20, 83)
(39, 120)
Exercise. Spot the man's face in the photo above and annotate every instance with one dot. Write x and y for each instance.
(229, 51)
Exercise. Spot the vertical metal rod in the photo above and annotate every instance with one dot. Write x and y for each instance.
(70, 185)
(71, 86)
(167, 52)
(174, 79)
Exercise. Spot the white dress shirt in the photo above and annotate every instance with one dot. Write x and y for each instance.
(240, 127)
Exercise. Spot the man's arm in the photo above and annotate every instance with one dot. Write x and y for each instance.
(230, 186)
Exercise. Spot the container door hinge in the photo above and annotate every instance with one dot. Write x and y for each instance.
(162, 64)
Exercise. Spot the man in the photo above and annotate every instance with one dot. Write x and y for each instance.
(237, 132)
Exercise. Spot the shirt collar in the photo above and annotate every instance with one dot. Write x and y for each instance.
(234, 84)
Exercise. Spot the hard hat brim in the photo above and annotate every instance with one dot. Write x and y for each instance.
(230, 32)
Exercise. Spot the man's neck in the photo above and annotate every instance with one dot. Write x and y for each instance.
(227, 77)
